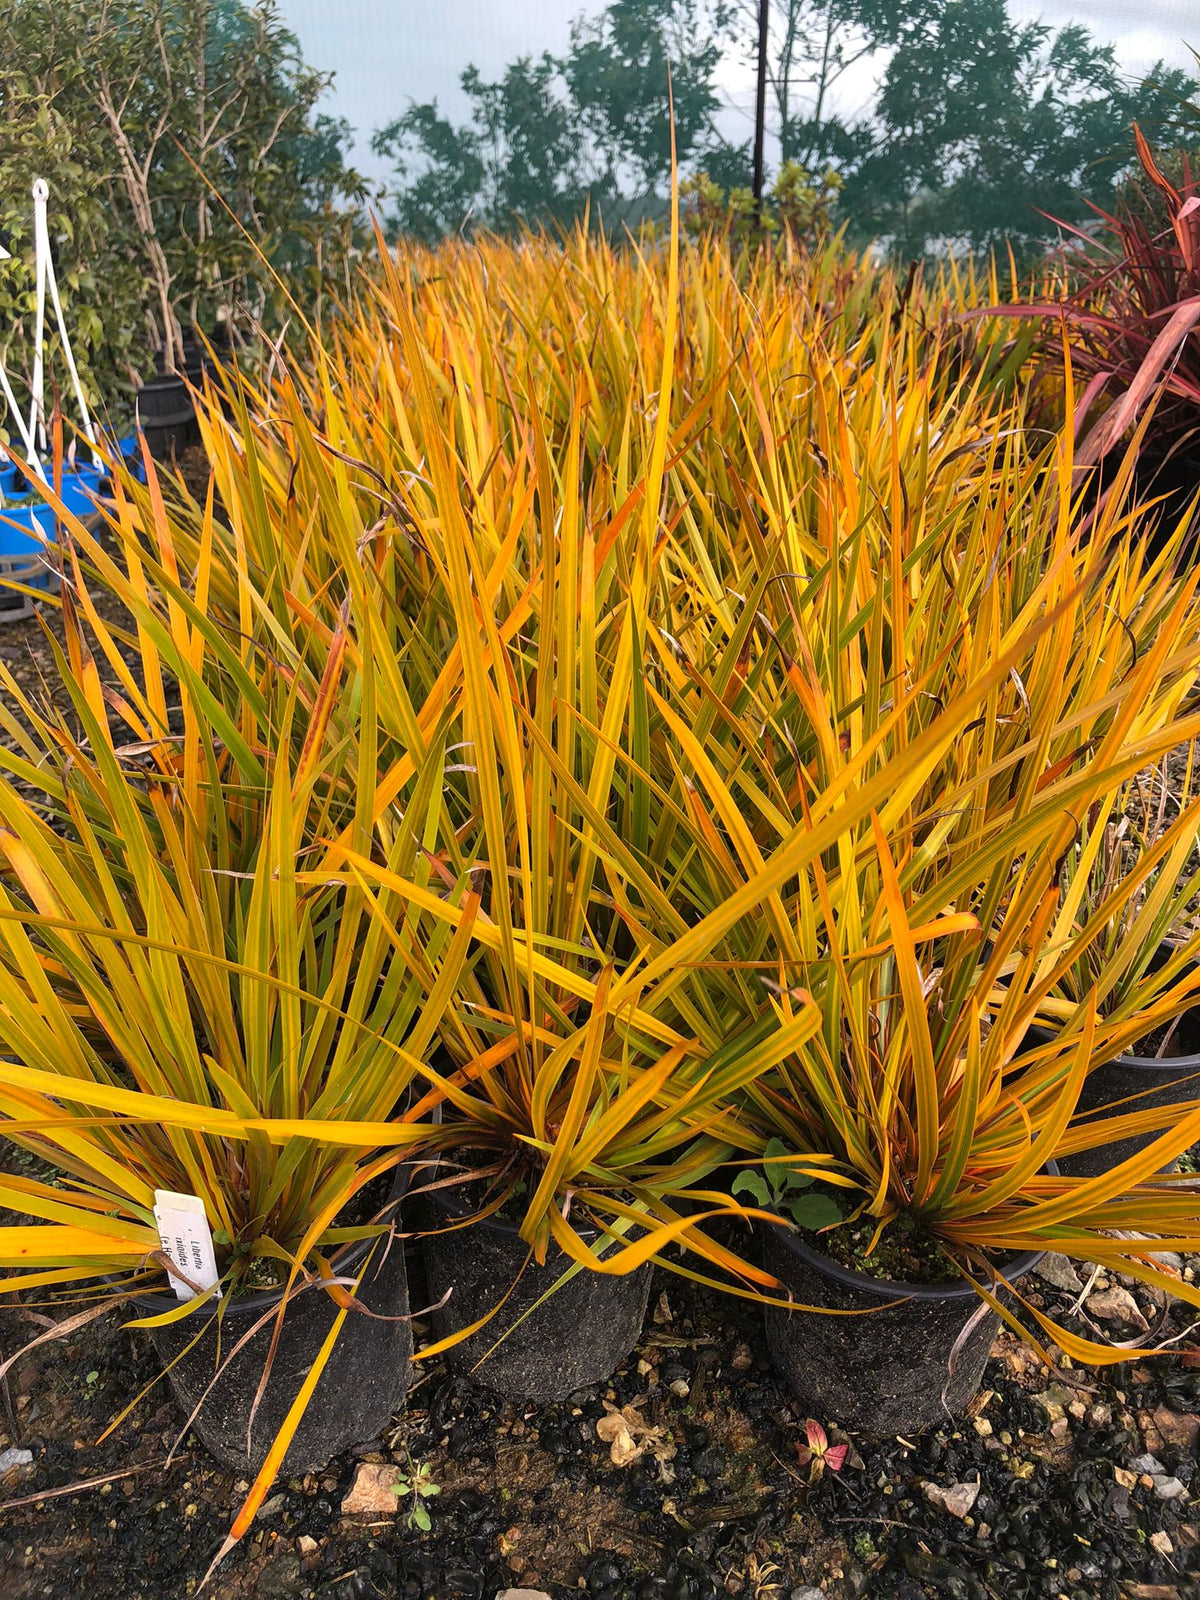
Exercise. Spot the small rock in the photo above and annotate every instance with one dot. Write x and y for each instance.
(1127, 1480)
(306, 1544)
(1161, 1543)
(661, 1315)
(1168, 1259)
(1169, 1488)
(615, 1432)
(15, 1462)
(982, 1427)
(1116, 1305)
(680, 1389)
(1016, 1356)
(957, 1499)
(1178, 1428)
(1150, 1464)
(1099, 1416)
(1151, 1438)
(1059, 1428)
(1054, 1401)
(742, 1359)
(522, 1594)
(1116, 1503)
(806, 1593)
(373, 1490)
(273, 1506)
(1058, 1271)
(280, 1578)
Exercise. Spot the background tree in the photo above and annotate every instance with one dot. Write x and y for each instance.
(147, 111)
(812, 45)
(616, 73)
(516, 156)
(983, 123)
(101, 285)
(554, 134)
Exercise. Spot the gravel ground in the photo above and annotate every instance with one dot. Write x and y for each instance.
(1061, 1483)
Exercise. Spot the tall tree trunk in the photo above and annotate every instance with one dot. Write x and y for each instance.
(135, 179)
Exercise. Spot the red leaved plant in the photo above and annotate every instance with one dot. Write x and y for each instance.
(817, 1453)
(1132, 322)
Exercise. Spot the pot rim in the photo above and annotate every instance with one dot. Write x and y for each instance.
(263, 1299)
(1177, 1066)
(888, 1288)
(1181, 1066)
(1012, 1266)
(445, 1201)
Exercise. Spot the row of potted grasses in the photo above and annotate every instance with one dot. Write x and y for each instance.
(650, 738)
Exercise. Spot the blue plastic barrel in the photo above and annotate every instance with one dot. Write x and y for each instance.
(27, 523)
(25, 531)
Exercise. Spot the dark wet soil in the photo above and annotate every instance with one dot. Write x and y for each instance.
(720, 1504)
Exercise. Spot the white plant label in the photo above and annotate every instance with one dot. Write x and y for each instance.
(187, 1239)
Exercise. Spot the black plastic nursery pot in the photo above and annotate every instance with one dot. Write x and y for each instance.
(365, 1379)
(166, 415)
(1145, 1082)
(196, 359)
(204, 359)
(576, 1337)
(903, 1367)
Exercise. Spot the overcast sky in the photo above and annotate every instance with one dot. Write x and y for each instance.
(387, 53)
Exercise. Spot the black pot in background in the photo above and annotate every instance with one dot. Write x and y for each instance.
(1155, 1082)
(893, 1371)
(365, 1379)
(196, 359)
(578, 1337)
(201, 358)
(166, 415)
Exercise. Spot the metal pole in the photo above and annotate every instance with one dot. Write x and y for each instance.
(760, 110)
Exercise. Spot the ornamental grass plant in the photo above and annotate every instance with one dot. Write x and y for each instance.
(863, 518)
(638, 703)
(182, 1011)
(646, 656)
